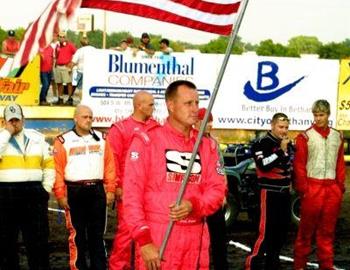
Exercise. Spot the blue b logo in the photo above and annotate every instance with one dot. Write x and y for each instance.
(267, 71)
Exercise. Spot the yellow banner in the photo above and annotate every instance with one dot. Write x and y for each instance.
(343, 108)
(24, 89)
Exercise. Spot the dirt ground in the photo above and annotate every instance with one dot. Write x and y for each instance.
(241, 233)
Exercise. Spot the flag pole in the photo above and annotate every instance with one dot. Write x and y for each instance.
(229, 47)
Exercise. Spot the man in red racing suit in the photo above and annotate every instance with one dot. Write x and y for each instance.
(156, 164)
(120, 136)
(319, 179)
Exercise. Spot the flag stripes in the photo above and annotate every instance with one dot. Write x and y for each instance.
(202, 15)
(39, 33)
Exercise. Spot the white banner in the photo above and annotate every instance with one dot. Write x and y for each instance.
(252, 90)
(112, 78)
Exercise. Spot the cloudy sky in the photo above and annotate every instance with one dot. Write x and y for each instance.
(278, 20)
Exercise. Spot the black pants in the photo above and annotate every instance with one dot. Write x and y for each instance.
(217, 232)
(23, 207)
(86, 222)
(273, 228)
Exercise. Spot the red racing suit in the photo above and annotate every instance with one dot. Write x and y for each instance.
(319, 178)
(120, 136)
(156, 164)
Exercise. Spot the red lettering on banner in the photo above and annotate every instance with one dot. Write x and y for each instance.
(9, 87)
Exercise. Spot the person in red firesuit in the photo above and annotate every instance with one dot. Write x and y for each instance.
(319, 179)
(120, 136)
(156, 163)
(273, 155)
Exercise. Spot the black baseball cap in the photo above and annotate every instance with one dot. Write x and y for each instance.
(11, 33)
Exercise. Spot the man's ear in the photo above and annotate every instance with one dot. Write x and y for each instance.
(170, 105)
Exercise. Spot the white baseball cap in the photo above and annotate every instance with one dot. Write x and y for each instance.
(13, 111)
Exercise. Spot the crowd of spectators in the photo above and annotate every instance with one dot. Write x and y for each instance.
(62, 64)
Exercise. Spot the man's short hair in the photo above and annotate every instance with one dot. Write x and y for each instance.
(62, 34)
(144, 35)
(321, 105)
(279, 117)
(165, 41)
(171, 90)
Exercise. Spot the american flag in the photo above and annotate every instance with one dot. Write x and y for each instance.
(215, 16)
(39, 33)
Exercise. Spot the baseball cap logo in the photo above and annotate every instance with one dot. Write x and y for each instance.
(12, 109)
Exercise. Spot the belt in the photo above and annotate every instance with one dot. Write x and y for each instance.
(92, 182)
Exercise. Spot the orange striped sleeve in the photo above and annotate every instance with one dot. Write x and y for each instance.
(60, 158)
(109, 176)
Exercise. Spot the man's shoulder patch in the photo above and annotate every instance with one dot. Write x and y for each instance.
(60, 138)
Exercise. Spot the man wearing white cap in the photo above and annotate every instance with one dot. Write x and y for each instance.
(26, 178)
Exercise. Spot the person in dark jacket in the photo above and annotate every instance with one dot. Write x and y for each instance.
(273, 158)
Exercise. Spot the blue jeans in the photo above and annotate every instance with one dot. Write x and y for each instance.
(45, 78)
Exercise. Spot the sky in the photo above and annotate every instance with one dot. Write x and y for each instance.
(278, 20)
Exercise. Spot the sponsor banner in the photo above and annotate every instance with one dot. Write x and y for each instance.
(343, 112)
(24, 89)
(252, 90)
(112, 78)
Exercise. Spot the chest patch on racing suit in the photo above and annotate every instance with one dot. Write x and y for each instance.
(177, 164)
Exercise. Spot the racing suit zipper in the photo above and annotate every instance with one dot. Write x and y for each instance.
(325, 159)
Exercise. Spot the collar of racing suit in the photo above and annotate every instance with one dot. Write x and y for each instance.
(323, 131)
(92, 133)
(277, 140)
(193, 132)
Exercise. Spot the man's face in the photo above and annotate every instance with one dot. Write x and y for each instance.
(123, 45)
(279, 129)
(162, 45)
(62, 38)
(147, 106)
(321, 119)
(17, 124)
(145, 40)
(83, 120)
(183, 108)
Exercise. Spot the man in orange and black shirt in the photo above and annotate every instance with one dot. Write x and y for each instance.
(85, 183)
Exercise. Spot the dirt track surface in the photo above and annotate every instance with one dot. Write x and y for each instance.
(242, 233)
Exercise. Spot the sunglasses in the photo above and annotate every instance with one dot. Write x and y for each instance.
(61, 36)
(282, 118)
